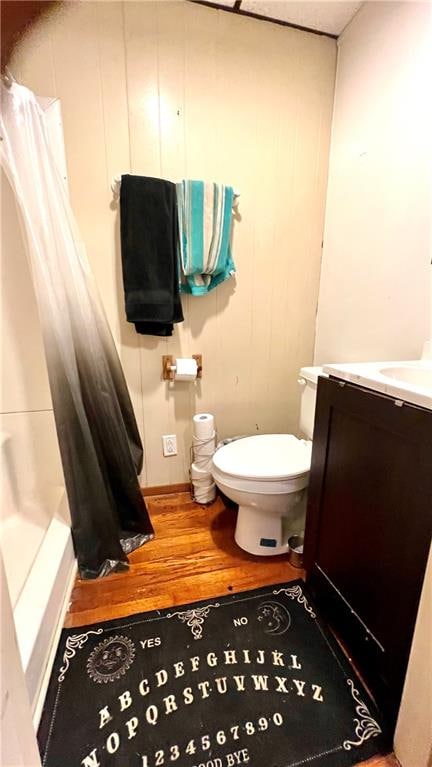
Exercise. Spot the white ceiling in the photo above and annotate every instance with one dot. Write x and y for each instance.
(330, 16)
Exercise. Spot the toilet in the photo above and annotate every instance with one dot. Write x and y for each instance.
(267, 475)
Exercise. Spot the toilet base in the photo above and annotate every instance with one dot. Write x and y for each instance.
(264, 534)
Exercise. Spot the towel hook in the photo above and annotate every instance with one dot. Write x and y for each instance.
(115, 186)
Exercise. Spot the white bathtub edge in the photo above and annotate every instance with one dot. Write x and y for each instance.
(43, 687)
(40, 610)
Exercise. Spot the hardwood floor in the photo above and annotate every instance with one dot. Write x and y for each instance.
(193, 557)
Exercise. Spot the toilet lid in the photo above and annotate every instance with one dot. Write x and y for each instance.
(265, 456)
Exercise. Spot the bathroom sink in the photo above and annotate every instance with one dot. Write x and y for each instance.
(409, 381)
(417, 375)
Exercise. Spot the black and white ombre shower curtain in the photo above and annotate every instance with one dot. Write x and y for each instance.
(99, 442)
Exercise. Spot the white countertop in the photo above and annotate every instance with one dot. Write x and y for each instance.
(409, 381)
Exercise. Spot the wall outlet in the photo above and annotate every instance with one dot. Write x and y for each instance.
(169, 444)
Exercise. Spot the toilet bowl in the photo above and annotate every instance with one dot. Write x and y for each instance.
(267, 475)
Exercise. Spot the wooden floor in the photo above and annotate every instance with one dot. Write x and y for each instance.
(193, 557)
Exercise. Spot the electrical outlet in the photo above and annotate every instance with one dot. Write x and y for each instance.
(169, 444)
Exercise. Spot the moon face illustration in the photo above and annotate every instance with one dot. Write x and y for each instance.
(274, 618)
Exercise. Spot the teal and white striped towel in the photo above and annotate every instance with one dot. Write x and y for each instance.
(205, 216)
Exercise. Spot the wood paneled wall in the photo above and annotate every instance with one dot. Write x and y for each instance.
(178, 90)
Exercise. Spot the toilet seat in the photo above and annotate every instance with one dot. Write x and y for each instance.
(264, 458)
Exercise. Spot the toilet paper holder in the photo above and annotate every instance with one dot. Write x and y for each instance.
(169, 366)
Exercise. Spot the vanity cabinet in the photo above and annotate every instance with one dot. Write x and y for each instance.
(368, 527)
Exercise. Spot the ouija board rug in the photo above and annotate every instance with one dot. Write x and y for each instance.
(251, 678)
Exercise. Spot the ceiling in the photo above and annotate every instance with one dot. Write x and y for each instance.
(330, 17)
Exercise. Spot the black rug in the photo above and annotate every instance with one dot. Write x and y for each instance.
(251, 678)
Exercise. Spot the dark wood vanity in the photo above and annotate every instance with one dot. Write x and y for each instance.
(369, 525)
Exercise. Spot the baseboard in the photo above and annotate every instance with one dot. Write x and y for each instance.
(181, 487)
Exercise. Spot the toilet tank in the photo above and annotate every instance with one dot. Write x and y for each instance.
(308, 380)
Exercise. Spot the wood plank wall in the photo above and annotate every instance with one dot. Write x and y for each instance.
(178, 90)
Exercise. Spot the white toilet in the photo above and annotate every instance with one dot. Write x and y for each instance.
(267, 475)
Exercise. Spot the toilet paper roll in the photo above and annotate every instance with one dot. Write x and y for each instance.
(204, 450)
(203, 483)
(203, 425)
(204, 464)
(199, 441)
(186, 369)
(198, 471)
(205, 494)
(203, 447)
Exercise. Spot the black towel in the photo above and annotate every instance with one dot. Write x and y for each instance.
(149, 232)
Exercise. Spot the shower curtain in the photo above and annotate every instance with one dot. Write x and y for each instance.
(99, 442)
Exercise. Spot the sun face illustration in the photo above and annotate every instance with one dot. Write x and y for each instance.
(110, 659)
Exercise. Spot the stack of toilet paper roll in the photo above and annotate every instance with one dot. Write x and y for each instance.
(203, 447)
